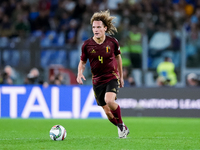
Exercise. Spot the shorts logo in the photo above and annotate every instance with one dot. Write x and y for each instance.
(107, 49)
(114, 89)
(93, 51)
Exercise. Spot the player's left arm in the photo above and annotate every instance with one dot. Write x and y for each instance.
(119, 64)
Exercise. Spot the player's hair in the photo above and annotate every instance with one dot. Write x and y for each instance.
(107, 20)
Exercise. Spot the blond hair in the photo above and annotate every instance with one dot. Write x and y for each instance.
(105, 17)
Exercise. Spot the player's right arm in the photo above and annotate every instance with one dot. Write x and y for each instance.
(81, 68)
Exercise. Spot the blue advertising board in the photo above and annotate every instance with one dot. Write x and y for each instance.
(49, 102)
(79, 102)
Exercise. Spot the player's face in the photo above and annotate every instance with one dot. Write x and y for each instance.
(98, 29)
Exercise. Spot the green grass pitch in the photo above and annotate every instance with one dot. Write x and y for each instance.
(88, 134)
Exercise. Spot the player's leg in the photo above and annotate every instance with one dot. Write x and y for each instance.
(110, 97)
(100, 92)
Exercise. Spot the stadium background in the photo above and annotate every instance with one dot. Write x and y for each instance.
(48, 34)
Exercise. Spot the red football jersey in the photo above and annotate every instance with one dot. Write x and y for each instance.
(102, 59)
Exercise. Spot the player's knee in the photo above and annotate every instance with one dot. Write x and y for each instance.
(110, 98)
(108, 102)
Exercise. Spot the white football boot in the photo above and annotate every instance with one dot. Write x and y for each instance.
(122, 131)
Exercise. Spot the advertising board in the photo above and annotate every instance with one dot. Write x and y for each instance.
(79, 102)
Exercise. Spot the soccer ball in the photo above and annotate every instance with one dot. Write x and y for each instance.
(57, 133)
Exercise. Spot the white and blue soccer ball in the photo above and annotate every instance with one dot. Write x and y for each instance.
(57, 133)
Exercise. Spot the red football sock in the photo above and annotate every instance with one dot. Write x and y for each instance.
(113, 121)
(117, 115)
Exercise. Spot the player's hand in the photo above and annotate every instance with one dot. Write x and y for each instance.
(121, 82)
(79, 78)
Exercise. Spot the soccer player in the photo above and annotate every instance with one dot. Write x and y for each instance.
(105, 60)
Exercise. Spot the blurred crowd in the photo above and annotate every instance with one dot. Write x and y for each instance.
(61, 22)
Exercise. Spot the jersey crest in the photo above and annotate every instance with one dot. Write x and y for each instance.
(107, 49)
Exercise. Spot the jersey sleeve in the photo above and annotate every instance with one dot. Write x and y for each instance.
(83, 52)
(117, 47)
